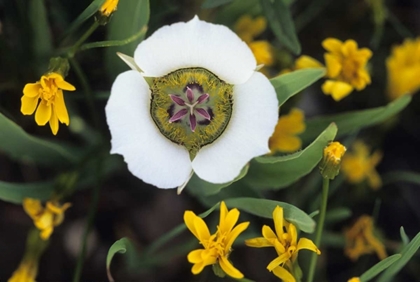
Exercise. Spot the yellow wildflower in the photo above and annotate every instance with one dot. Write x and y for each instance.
(360, 240)
(346, 67)
(109, 7)
(359, 165)
(403, 69)
(285, 242)
(216, 247)
(45, 219)
(284, 138)
(51, 108)
(354, 279)
(263, 52)
(305, 62)
(247, 28)
(331, 161)
(26, 272)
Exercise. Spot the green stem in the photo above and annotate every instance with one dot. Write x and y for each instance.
(319, 227)
(82, 39)
(89, 225)
(399, 27)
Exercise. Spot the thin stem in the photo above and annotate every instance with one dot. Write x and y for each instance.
(319, 227)
(91, 217)
(82, 39)
(399, 27)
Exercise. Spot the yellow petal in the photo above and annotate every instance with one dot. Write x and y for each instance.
(374, 179)
(46, 233)
(43, 113)
(54, 123)
(44, 221)
(229, 269)
(304, 62)
(305, 243)
(349, 47)
(263, 52)
(291, 230)
(365, 53)
(61, 83)
(28, 104)
(223, 212)
(268, 233)
(197, 268)
(56, 208)
(189, 218)
(278, 222)
(354, 279)
(333, 65)
(32, 89)
(227, 224)
(283, 274)
(32, 207)
(333, 45)
(285, 143)
(337, 89)
(278, 260)
(195, 256)
(60, 108)
(234, 234)
(259, 242)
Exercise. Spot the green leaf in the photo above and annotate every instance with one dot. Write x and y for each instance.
(281, 171)
(337, 215)
(41, 41)
(280, 20)
(20, 146)
(208, 4)
(404, 238)
(401, 176)
(16, 192)
(379, 267)
(289, 84)
(353, 121)
(131, 17)
(265, 208)
(121, 246)
(229, 14)
(197, 186)
(86, 14)
(406, 254)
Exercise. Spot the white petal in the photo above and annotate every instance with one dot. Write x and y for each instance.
(196, 44)
(254, 116)
(149, 155)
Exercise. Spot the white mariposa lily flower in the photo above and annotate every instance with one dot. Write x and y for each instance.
(193, 102)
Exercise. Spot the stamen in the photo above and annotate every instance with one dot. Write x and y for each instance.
(203, 113)
(193, 122)
(177, 100)
(190, 94)
(178, 115)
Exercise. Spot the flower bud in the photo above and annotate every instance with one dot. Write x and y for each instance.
(331, 161)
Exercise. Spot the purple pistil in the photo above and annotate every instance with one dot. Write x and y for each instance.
(190, 107)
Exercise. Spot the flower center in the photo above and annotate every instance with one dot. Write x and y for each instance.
(191, 107)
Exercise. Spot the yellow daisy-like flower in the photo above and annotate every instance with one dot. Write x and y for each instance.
(216, 247)
(284, 138)
(285, 242)
(247, 28)
(263, 52)
(109, 7)
(45, 219)
(403, 68)
(359, 165)
(360, 240)
(331, 161)
(26, 272)
(52, 107)
(346, 67)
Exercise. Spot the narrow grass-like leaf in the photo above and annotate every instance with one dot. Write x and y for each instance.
(230, 13)
(337, 215)
(404, 238)
(401, 176)
(16, 192)
(121, 246)
(280, 20)
(197, 186)
(20, 146)
(208, 4)
(289, 84)
(406, 254)
(379, 267)
(265, 208)
(131, 17)
(280, 171)
(353, 121)
(86, 14)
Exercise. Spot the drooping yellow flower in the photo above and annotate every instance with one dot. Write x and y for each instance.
(360, 240)
(331, 161)
(109, 7)
(51, 108)
(403, 68)
(346, 67)
(354, 279)
(45, 219)
(285, 242)
(263, 52)
(216, 247)
(248, 28)
(359, 165)
(284, 138)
